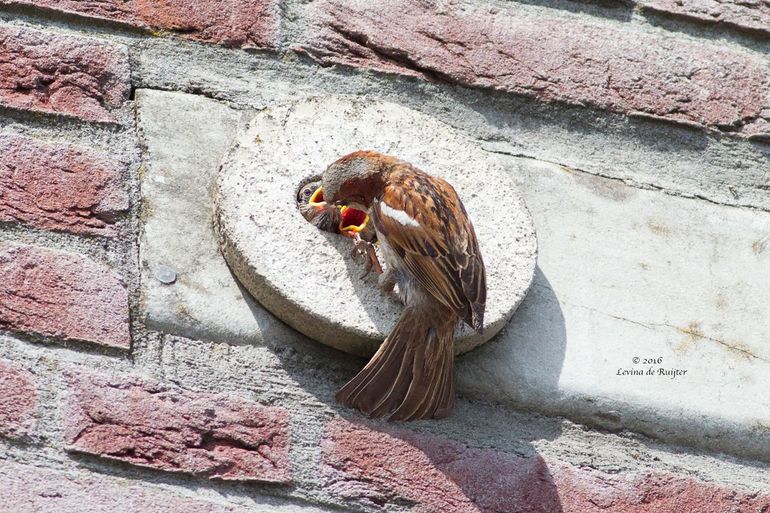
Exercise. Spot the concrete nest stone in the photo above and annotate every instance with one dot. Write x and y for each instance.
(306, 277)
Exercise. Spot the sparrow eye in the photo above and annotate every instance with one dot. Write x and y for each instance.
(306, 192)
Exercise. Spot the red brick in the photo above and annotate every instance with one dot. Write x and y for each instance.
(751, 15)
(240, 23)
(28, 489)
(18, 400)
(59, 187)
(588, 490)
(73, 76)
(148, 424)
(620, 70)
(62, 295)
(376, 465)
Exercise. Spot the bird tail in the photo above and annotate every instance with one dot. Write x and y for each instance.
(412, 374)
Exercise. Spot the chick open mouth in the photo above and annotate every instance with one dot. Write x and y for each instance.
(317, 199)
(353, 220)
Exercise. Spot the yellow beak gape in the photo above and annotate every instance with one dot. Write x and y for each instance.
(317, 199)
(353, 220)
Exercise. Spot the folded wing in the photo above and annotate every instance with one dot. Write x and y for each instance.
(425, 222)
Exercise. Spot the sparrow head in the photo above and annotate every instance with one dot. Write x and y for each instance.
(312, 195)
(356, 179)
(315, 210)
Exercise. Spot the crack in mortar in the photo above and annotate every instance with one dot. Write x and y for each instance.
(625, 181)
(393, 56)
(692, 330)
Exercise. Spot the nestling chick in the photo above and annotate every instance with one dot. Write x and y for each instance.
(317, 212)
(328, 217)
(432, 255)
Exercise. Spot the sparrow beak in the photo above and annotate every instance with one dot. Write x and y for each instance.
(317, 199)
(353, 220)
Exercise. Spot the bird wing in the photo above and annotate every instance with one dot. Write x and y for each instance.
(425, 222)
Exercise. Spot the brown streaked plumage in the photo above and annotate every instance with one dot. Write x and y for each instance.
(432, 256)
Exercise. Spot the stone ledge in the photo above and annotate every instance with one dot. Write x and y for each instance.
(306, 277)
(623, 272)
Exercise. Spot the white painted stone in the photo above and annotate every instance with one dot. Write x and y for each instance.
(622, 272)
(626, 273)
(306, 277)
(185, 137)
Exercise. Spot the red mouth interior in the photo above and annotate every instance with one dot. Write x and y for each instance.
(318, 196)
(353, 217)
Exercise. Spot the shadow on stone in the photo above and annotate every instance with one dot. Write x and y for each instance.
(318, 369)
(482, 458)
(620, 10)
(356, 271)
(375, 463)
(528, 354)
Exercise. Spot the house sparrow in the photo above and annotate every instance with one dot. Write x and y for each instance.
(433, 257)
(316, 211)
(344, 220)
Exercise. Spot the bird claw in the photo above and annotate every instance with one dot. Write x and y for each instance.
(366, 250)
(389, 284)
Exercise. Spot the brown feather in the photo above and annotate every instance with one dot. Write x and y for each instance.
(442, 252)
(432, 248)
(408, 379)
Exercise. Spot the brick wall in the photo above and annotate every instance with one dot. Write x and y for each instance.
(99, 412)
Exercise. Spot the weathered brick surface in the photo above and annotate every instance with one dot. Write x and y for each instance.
(29, 489)
(152, 425)
(59, 187)
(383, 465)
(74, 76)
(390, 466)
(62, 295)
(18, 400)
(242, 23)
(561, 60)
(753, 15)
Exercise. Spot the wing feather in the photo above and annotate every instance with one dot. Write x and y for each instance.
(439, 248)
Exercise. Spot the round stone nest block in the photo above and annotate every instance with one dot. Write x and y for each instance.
(307, 277)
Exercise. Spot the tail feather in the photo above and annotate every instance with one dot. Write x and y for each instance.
(381, 371)
(398, 389)
(411, 375)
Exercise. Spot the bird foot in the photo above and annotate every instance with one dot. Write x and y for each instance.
(389, 285)
(365, 249)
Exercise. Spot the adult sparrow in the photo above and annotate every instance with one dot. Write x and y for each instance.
(432, 256)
